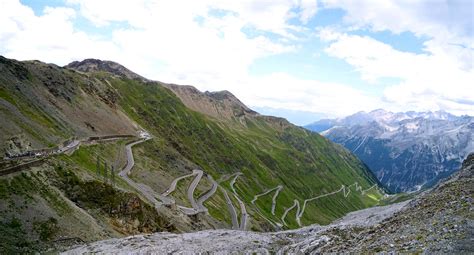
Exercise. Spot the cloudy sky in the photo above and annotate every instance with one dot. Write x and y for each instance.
(301, 59)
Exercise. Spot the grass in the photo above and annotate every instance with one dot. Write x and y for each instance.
(267, 154)
(305, 163)
(112, 153)
(5, 95)
(116, 204)
(400, 197)
(14, 238)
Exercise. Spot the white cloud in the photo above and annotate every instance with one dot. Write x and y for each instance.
(428, 81)
(440, 78)
(448, 25)
(443, 20)
(50, 37)
(280, 90)
(266, 15)
(202, 43)
(308, 10)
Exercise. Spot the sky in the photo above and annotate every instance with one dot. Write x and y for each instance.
(299, 59)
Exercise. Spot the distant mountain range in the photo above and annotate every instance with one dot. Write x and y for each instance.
(405, 150)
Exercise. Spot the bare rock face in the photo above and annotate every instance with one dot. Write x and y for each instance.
(96, 65)
(238, 242)
(220, 105)
(17, 145)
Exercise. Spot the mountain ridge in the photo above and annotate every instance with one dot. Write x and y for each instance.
(95, 65)
(45, 105)
(405, 150)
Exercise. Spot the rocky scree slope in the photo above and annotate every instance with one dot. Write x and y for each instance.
(440, 220)
(45, 104)
(406, 151)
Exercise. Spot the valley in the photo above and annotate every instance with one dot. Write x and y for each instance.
(407, 151)
(203, 162)
(183, 161)
(399, 227)
(236, 127)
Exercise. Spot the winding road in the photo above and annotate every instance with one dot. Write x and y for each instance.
(243, 211)
(192, 188)
(345, 189)
(173, 184)
(296, 203)
(277, 190)
(233, 213)
(145, 190)
(208, 194)
(198, 205)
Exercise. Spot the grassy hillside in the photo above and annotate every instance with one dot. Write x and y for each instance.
(47, 104)
(268, 155)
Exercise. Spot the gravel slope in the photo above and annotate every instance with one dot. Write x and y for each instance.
(233, 241)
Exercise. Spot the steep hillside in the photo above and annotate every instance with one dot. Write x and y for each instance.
(48, 104)
(439, 221)
(267, 151)
(406, 151)
(258, 172)
(220, 105)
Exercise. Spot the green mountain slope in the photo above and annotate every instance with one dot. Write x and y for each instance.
(214, 132)
(268, 151)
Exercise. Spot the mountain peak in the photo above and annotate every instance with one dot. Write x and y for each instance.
(219, 104)
(379, 111)
(97, 65)
(225, 95)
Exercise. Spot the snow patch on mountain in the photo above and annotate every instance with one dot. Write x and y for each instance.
(405, 150)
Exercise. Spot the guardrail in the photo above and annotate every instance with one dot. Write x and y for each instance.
(19, 167)
(105, 137)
